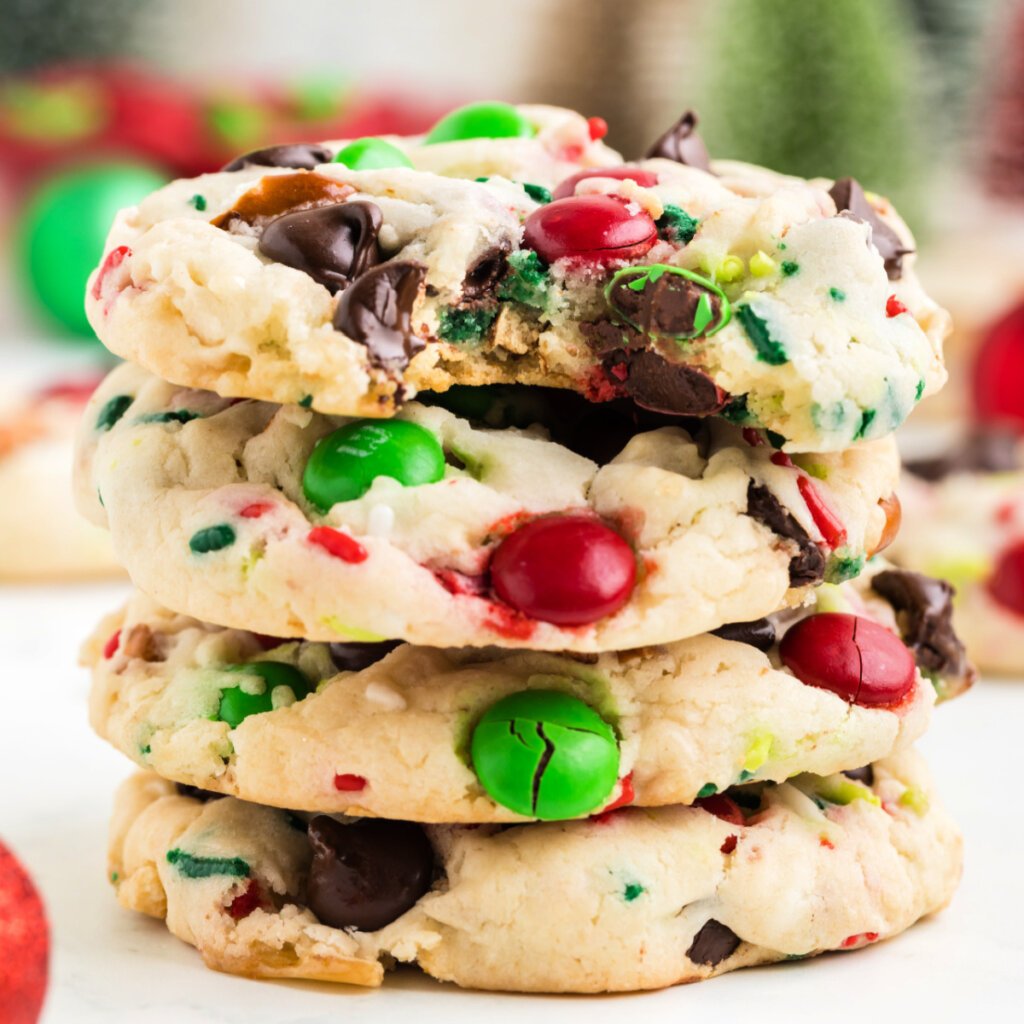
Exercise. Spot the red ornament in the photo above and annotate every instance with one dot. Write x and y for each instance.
(589, 229)
(346, 783)
(24, 944)
(721, 806)
(851, 656)
(338, 544)
(999, 371)
(623, 173)
(570, 570)
(1006, 584)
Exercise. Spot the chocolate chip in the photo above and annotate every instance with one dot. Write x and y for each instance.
(807, 566)
(924, 608)
(656, 384)
(760, 633)
(682, 144)
(865, 775)
(850, 201)
(202, 795)
(666, 306)
(300, 155)
(367, 874)
(333, 244)
(713, 944)
(376, 311)
(483, 276)
(986, 449)
(355, 657)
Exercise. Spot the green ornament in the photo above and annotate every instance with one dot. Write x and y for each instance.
(485, 120)
(371, 154)
(344, 464)
(545, 754)
(61, 235)
(237, 705)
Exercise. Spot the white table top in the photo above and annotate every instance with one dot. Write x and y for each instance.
(111, 966)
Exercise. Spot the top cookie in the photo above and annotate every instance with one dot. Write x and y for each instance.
(351, 276)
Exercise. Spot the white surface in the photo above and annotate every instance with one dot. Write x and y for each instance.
(111, 966)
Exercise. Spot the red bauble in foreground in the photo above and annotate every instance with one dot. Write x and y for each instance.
(624, 173)
(589, 229)
(1006, 584)
(24, 944)
(853, 657)
(570, 570)
(998, 385)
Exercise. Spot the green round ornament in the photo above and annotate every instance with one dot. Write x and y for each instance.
(485, 120)
(237, 705)
(61, 235)
(545, 754)
(344, 464)
(371, 154)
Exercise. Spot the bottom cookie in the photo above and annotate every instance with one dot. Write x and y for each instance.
(632, 899)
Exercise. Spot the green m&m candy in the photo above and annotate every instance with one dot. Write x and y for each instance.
(545, 754)
(486, 120)
(371, 154)
(236, 704)
(343, 465)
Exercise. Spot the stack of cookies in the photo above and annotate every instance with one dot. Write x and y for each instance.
(505, 520)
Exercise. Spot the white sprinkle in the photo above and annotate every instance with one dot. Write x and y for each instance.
(385, 696)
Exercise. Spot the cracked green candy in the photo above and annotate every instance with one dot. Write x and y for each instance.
(236, 704)
(545, 754)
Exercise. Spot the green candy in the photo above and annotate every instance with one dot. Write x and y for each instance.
(61, 235)
(371, 154)
(212, 538)
(343, 465)
(486, 120)
(237, 705)
(545, 754)
(112, 411)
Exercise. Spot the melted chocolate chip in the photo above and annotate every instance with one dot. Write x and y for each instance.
(850, 201)
(300, 155)
(376, 310)
(924, 608)
(666, 306)
(278, 194)
(483, 276)
(713, 944)
(984, 450)
(682, 144)
(807, 566)
(367, 874)
(333, 244)
(202, 795)
(656, 384)
(356, 656)
(865, 775)
(760, 633)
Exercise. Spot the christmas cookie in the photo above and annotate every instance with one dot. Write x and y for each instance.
(637, 899)
(41, 535)
(965, 513)
(352, 276)
(460, 735)
(611, 529)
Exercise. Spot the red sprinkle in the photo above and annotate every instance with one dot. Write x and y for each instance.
(893, 307)
(826, 843)
(509, 623)
(346, 783)
(857, 940)
(598, 128)
(248, 900)
(338, 544)
(461, 585)
(729, 845)
(830, 525)
(110, 647)
(626, 795)
(114, 259)
(256, 509)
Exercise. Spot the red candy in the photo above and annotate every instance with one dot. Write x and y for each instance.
(1006, 584)
(110, 647)
(851, 656)
(590, 229)
(597, 127)
(570, 570)
(721, 806)
(248, 900)
(830, 525)
(346, 783)
(624, 173)
(338, 544)
(893, 307)
(999, 370)
(24, 944)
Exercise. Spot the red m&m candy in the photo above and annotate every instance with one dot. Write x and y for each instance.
(570, 570)
(590, 229)
(623, 173)
(856, 658)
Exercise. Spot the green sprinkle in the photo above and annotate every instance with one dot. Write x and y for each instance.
(837, 294)
(774, 439)
(866, 419)
(145, 751)
(632, 891)
(527, 280)
(460, 326)
(212, 538)
(306, 401)
(736, 411)
(768, 349)
(745, 775)
(170, 416)
(114, 876)
(708, 789)
(538, 193)
(916, 800)
(485, 177)
(844, 567)
(789, 268)
(919, 391)
(676, 225)
(198, 201)
(191, 866)
(783, 247)
(113, 411)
